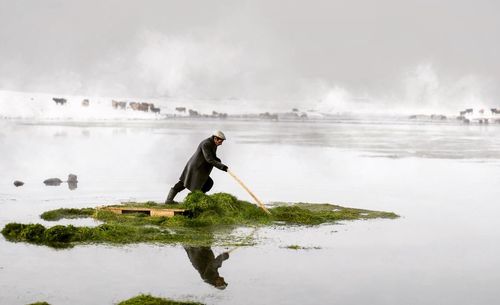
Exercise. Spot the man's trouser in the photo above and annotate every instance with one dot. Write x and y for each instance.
(179, 186)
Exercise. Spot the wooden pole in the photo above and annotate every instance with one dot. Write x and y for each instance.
(259, 203)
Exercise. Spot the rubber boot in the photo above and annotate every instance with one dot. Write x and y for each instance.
(171, 196)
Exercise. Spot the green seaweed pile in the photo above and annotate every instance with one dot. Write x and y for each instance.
(211, 220)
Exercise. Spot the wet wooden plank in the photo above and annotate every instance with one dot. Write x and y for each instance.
(148, 211)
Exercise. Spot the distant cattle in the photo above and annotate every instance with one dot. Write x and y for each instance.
(268, 116)
(466, 111)
(117, 104)
(438, 117)
(495, 111)
(193, 113)
(134, 105)
(144, 107)
(180, 109)
(154, 109)
(85, 103)
(140, 106)
(59, 101)
(220, 115)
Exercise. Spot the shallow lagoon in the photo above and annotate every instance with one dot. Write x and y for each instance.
(441, 178)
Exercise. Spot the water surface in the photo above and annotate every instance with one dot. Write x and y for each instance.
(441, 178)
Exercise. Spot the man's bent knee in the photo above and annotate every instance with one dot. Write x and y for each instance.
(208, 185)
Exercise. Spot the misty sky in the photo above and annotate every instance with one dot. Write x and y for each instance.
(261, 50)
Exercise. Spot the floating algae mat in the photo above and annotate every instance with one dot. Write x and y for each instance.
(150, 300)
(211, 220)
(144, 299)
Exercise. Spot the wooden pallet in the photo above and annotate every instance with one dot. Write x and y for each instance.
(155, 212)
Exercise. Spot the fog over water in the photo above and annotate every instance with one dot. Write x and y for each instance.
(340, 55)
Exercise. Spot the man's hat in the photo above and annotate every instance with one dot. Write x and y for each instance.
(219, 134)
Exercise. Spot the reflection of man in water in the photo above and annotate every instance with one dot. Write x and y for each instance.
(204, 260)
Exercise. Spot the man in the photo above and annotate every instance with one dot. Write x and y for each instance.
(196, 174)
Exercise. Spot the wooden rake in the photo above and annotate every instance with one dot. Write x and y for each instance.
(259, 203)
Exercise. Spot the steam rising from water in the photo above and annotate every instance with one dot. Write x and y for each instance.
(180, 66)
(421, 90)
(425, 89)
(212, 73)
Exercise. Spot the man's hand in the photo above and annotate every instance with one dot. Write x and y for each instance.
(224, 168)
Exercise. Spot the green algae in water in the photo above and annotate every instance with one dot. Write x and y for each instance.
(212, 220)
(315, 214)
(145, 299)
(67, 213)
(297, 247)
(65, 236)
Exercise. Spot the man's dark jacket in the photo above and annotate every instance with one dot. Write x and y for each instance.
(199, 167)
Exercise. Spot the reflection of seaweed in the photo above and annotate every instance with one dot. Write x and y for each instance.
(297, 247)
(144, 299)
(212, 222)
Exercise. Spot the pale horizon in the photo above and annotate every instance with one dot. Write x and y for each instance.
(415, 55)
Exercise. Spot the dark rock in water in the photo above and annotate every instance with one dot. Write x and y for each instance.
(85, 103)
(18, 183)
(53, 181)
(72, 178)
(72, 181)
(59, 101)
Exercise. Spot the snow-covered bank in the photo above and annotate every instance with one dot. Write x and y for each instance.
(43, 106)
(48, 107)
